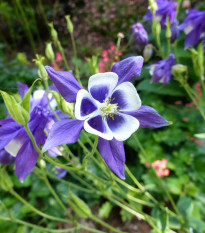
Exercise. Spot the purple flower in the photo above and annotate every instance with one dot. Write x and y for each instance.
(141, 36)
(175, 31)
(60, 172)
(161, 71)
(194, 27)
(15, 145)
(111, 109)
(165, 9)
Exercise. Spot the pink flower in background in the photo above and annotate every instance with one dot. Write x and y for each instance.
(108, 57)
(179, 102)
(160, 167)
(58, 61)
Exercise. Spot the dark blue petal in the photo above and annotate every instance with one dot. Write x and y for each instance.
(87, 107)
(99, 92)
(128, 69)
(148, 117)
(63, 132)
(114, 155)
(65, 82)
(5, 157)
(98, 124)
(25, 160)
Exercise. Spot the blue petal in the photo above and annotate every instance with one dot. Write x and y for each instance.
(128, 69)
(63, 132)
(23, 88)
(5, 157)
(114, 155)
(65, 82)
(8, 132)
(148, 117)
(25, 160)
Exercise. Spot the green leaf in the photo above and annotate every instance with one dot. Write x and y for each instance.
(80, 204)
(5, 181)
(105, 209)
(169, 89)
(185, 206)
(17, 112)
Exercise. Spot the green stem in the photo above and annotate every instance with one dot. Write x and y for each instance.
(36, 226)
(92, 152)
(63, 54)
(188, 90)
(28, 31)
(139, 185)
(56, 196)
(36, 210)
(105, 224)
(75, 56)
(178, 8)
(129, 42)
(158, 178)
(32, 139)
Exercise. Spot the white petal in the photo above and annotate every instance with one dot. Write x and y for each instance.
(123, 126)
(101, 128)
(13, 147)
(101, 85)
(126, 96)
(151, 71)
(85, 104)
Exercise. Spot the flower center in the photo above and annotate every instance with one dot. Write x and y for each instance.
(108, 109)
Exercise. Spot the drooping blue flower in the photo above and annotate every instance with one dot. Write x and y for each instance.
(140, 34)
(194, 27)
(15, 145)
(174, 31)
(111, 109)
(165, 8)
(161, 71)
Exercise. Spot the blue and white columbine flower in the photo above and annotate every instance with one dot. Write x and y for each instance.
(15, 145)
(110, 109)
(161, 71)
(165, 9)
(194, 27)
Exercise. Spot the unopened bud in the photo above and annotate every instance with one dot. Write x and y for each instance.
(153, 6)
(178, 69)
(168, 31)
(54, 33)
(120, 35)
(147, 52)
(42, 71)
(42, 163)
(49, 52)
(69, 24)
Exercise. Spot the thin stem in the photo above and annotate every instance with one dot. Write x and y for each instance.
(36, 226)
(75, 56)
(178, 8)
(63, 54)
(32, 139)
(105, 224)
(158, 178)
(92, 152)
(187, 88)
(36, 210)
(129, 42)
(139, 185)
(56, 196)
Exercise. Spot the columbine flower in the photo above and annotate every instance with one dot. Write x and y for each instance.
(194, 27)
(15, 145)
(161, 71)
(111, 109)
(141, 36)
(165, 9)
(160, 167)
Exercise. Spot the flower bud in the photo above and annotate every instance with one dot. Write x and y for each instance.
(147, 52)
(178, 69)
(120, 35)
(54, 33)
(168, 31)
(141, 36)
(49, 52)
(69, 24)
(42, 71)
(153, 6)
(5, 181)
(42, 163)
